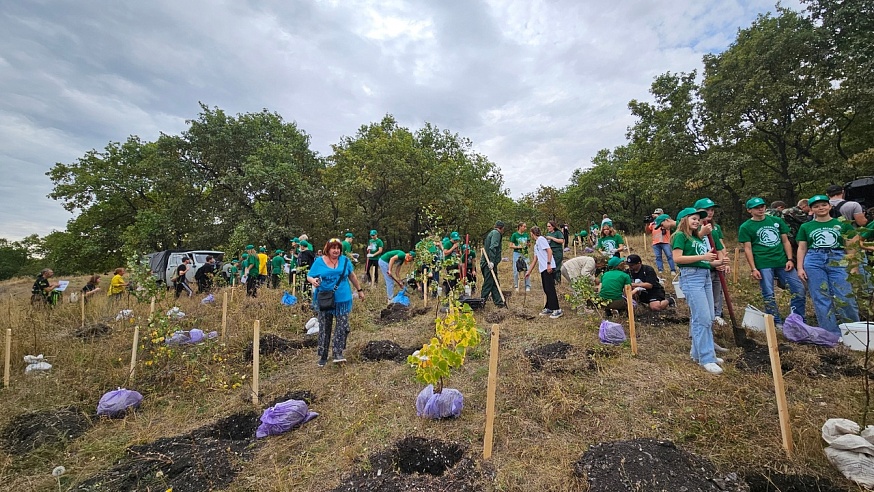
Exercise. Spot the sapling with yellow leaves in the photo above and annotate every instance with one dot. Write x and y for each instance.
(455, 333)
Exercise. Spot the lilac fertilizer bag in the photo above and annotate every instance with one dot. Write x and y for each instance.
(282, 417)
(115, 403)
(445, 404)
(795, 330)
(611, 333)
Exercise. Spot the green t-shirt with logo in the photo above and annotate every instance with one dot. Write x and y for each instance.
(374, 245)
(613, 283)
(765, 238)
(520, 239)
(691, 246)
(609, 244)
(823, 234)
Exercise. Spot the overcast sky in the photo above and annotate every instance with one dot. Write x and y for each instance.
(538, 86)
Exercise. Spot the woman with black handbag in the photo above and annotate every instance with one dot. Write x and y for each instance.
(333, 298)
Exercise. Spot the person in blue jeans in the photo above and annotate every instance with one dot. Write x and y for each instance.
(695, 260)
(390, 266)
(660, 228)
(822, 262)
(769, 253)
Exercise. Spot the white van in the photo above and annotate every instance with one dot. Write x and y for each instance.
(164, 263)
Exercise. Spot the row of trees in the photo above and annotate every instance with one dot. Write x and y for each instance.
(786, 110)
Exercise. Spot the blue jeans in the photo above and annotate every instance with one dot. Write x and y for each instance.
(696, 285)
(516, 272)
(789, 279)
(830, 289)
(663, 248)
(389, 283)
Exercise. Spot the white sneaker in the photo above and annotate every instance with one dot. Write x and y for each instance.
(528, 289)
(719, 321)
(719, 361)
(546, 312)
(556, 314)
(712, 368)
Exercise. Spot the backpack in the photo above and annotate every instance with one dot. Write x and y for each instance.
(835, 212)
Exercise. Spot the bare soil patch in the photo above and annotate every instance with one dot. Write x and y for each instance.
(94, 330)
(271, 344)
(386, 350)
(769, 481)
(397, 312)
(650, 465)
(29, 431)
(539, 356)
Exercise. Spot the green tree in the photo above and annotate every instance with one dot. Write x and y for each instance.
(12, 258)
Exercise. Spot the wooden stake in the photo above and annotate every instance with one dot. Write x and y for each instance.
(224, 314)
(425, 287)
(152, 308)
(734, 273)
(7, 362)
(575, 247)
(82, 306)
(490, 393)
(632, 334)
(779, 389)
(256, 352)
(133, 354)
(494, 277)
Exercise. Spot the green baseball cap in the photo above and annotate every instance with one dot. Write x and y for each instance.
(454, 236)
(250, 246)
(607, 223)
(817, 198)
(704, 203)
(583, 233)
(245, 256)
(349, 234)
(278, 252)
(373, 232)
(295, 240)
(689, 211)
(412, 253)
(262, 249)
(754, 202)
(661, 218)
(614, 262)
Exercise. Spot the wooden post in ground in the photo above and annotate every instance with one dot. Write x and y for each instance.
(82, 307)
(490, 393)
(256, 363)
(575, 248)
(224, 314)
(425, 287)
(152, 308)
(632, 334)
(734, 273)
(133, 354)
(779, 389)
(6, 363)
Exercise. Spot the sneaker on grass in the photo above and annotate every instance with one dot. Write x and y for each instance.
(322, 362)
(556, 314)
(719, 321)
(528, 289)
(712, 368)
(339, 360)
(672, 302)
(546, 312)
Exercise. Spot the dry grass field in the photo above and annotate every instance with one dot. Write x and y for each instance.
(545, 420)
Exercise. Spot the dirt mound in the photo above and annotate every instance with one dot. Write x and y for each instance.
(29, 431)
(755, 357)
(271, 344)
(540, 355)
(394, 313)
(650, 464)
(769, 481)
(416, 463)
(207, 458)
(95, 330)
(838, 363)
(386, 350)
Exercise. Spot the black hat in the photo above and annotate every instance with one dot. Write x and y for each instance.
(834, 190)
(499, 224)
(633, 259)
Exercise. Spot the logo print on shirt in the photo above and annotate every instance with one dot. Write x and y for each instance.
(609, 244)
(768, 236)
(825, 238)
(701, 248)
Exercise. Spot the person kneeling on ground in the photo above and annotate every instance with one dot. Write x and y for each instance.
(43, 291)
(647, 288)
(581, 265)
(612, 284)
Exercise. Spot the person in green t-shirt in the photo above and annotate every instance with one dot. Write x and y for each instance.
(769, 253)
(390, 265)
(556, 239)
(277, 265)
(375, 248)
(822, 262)
(250, 271)
(347, 247)
(610, 243)
(707, 205)
(519, 245)
(612, 285)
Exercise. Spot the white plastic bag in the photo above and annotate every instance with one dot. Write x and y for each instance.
(36, 363)
(849, 451)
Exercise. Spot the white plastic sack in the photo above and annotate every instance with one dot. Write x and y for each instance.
(209, 299)
(36, 363)
(850, 451)
(175, 313)
(312, 326)
(124, 314)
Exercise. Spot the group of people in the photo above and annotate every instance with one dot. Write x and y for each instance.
(47, 293)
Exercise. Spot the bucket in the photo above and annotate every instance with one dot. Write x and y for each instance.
(678, 290)
(854, 335)
(754, 319)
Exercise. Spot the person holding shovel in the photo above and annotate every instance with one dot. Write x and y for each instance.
(489, 265)
(390, 265)
(544, 260)
(519, 245)
(708, 205)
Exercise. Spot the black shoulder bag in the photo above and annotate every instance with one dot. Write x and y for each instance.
(325, 298)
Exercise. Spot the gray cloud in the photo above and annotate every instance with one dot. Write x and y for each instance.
(539, 86)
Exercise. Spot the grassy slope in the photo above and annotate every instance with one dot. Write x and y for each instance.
(545, 420)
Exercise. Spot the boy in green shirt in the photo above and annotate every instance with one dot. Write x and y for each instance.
(519, 245)
(612, 285)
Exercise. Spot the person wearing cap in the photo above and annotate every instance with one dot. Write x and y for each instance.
(610, 243)
(390, 265)
(250, 272)
(489, 264)
(695, 259)
(277, 268)
(556, 242)
(647, 288)
(707, 205)
(545, 262)
(234, 272)
(451, 252)
(306, 257)
(770, 255)
(347, 246)
(848, 209)
(661, 240)
(822, 263)
(375, 248)
(263, 260)
(519, 245)
(612, 286)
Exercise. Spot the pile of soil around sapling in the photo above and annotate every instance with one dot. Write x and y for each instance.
(756, 358)
(207, 458)
(303, 395)
(29, 431)
(94, 330)
(271, 344)
(416, 464)
(769, 481)
(386, 350)
(539, 356)
(650, 465)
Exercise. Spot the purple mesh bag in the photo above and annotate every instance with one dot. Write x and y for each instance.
(611, 333)
(446, 404)
(284, 416)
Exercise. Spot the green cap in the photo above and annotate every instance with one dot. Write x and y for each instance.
(754, 202)
(295, 240)
(690, 211)
(412, 253)
(235, 261)
(614, 262)
(245, 256)
(661, 218)
(607, 223)
(250, 246)
(817, 198)
(278, 252)
(262, 249)
(306, 244)
(704, 203)
(373, 232)
(583, 233)
(349, 234)
(454, 236)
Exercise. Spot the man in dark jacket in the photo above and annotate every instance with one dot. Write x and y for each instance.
(489, 264)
